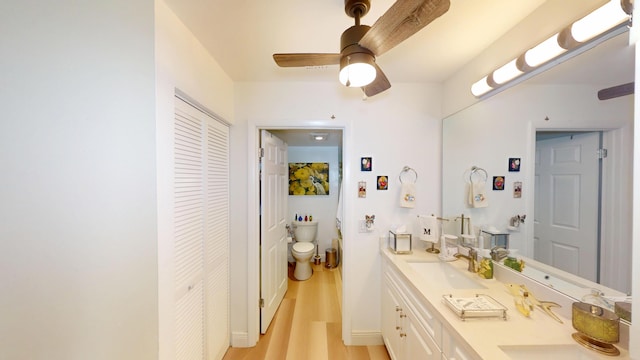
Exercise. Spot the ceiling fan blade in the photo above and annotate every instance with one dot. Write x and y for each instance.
(403, 19)
(616, 91)
(311, 59)
(380, 84)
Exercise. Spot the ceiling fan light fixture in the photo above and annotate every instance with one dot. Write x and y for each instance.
(357, 70)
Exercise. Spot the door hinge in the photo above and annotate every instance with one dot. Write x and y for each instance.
(602, 153)
(261, 303)
(260, 153)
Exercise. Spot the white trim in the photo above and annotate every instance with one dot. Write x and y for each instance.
(240, 339)
(366, 338)
(253, 248)
(198, 106)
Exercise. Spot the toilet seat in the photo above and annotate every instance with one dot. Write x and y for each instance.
(303, 247)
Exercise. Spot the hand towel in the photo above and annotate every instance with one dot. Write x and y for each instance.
(479, 198)
(408, 195)
(428, 228)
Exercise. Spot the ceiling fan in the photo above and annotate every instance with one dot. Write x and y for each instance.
(616, 91)
(360, 44)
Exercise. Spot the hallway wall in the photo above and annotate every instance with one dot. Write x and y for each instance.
(399, 127)
(78, 211)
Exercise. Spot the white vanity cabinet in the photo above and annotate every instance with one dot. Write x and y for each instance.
(404, 334)
(453, 348)
(392, 309)
(409, 328)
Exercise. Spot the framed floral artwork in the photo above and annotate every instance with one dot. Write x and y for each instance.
(308, 178)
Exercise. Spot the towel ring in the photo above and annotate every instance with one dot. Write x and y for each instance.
(478, 170)
(407, 169)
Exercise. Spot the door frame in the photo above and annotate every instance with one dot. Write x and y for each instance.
(253, 220)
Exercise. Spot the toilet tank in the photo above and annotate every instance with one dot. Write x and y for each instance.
(305, 231)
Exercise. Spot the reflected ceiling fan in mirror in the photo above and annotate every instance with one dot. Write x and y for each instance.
(360, 44)
(616, 91)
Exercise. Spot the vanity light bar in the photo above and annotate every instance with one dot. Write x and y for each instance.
(610, 19)
(544, 51)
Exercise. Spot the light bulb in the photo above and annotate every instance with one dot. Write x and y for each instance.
(480, 87)
(357, 74)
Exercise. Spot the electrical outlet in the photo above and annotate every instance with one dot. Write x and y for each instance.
(362, 226)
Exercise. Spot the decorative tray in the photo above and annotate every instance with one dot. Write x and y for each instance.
(479, 306)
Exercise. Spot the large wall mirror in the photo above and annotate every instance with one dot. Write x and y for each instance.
(577, 220)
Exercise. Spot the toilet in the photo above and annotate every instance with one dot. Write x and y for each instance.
(303, 249)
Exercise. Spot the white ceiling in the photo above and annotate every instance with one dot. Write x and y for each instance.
(242, 36)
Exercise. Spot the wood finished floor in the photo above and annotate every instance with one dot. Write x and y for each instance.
(308, 325)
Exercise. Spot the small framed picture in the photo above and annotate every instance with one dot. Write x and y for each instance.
(362, 189)
(383, 182)
(498, 183)
(366, 164)
(517, 189)
(514, 164)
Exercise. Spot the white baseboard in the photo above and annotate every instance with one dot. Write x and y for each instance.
(240, 339)
(366, 338)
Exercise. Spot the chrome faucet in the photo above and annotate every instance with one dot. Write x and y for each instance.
(471, 257)
(498, 253)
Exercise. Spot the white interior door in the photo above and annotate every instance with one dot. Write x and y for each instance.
(274, 183)
(567, 203)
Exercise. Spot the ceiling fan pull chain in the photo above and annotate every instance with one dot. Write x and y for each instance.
(348, 83)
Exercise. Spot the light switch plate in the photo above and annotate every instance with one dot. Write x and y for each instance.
(362, 226)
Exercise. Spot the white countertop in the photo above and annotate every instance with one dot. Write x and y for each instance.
(486, 336)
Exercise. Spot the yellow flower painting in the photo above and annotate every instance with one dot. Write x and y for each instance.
(308, 178)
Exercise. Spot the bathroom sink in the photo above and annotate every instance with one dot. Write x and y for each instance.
(444, 275)
(531, 352)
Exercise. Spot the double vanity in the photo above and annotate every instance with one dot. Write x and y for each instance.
(419, 323)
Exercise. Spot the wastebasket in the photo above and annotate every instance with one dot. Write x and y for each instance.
(331, 258)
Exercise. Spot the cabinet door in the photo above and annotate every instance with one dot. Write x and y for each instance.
(418, 344)
(453, 348)
(391, 310)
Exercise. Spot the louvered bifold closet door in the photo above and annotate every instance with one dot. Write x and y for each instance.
(201, 234)
(217, 240)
